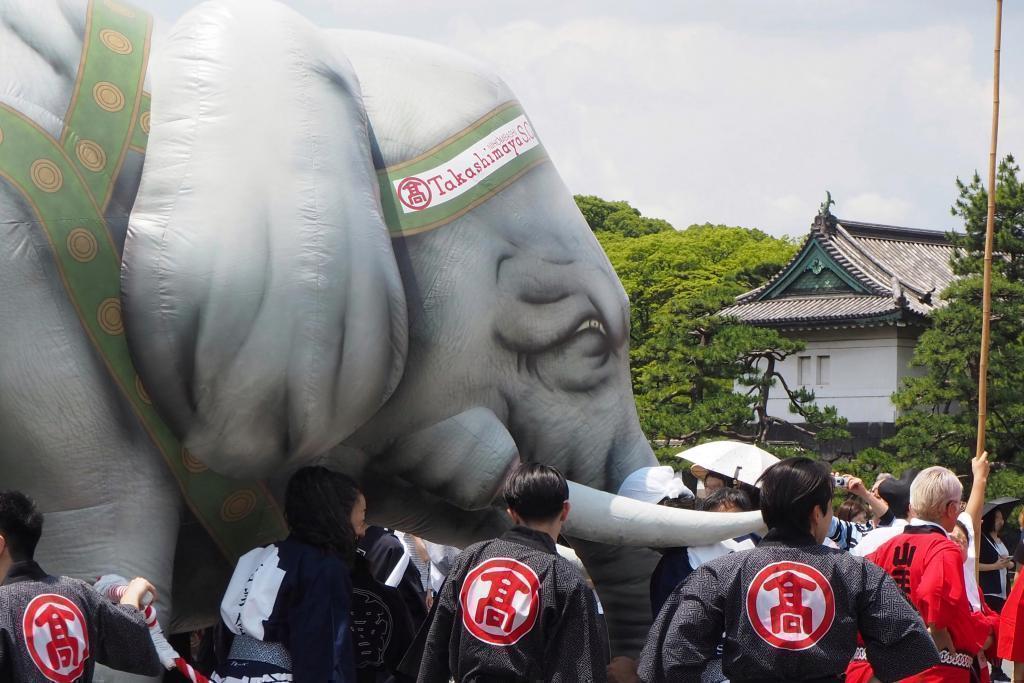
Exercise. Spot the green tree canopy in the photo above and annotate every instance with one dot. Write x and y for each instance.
(618, 217)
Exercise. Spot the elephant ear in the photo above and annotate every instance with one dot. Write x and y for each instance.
(262, 301)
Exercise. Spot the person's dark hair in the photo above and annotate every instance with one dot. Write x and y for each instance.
(680, 502)
(753, 493)
(791, 489)
(963, 527)
(896, 493)
(850, 508)
(318, 508)
(536, 492)
(988, 522)
(722, 498)
(21, 524)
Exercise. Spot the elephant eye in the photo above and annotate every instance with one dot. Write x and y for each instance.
(591, 325)
(588, 339)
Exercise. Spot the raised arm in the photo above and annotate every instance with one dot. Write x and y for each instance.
(879, 508)
(980, 467)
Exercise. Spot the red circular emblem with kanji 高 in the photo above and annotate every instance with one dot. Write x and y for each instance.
(790, 605)
(56, 637)
(414, 193)
(499, 601)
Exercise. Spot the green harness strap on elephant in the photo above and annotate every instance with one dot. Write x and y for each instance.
(67, 182)
(101, 116)
(140, 131)
(460, 173)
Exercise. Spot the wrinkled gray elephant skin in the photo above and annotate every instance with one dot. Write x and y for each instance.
(274, 321)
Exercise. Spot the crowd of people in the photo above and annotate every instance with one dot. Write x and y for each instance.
(881, 587)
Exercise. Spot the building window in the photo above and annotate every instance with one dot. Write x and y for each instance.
(803, 370)
(824, 370)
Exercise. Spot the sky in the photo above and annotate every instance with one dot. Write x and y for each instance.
(740, 112)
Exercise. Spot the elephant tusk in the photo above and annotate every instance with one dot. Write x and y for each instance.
(616, 520)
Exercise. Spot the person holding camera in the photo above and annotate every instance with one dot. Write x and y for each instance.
(846, 535)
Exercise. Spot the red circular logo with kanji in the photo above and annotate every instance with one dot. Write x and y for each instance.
(790, 605)
(414, 193)
(500, 600)
(56, 637)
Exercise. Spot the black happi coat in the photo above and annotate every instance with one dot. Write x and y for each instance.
(383, 552)
(61, 646)
(381, 627)
(795, 639)
(560, 639)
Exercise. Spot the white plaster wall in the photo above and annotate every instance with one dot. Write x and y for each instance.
(866, 366)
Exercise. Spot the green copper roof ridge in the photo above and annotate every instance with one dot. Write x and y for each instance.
(796, 267)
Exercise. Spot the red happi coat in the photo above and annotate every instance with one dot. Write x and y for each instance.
(929, 568)
(1011, 626)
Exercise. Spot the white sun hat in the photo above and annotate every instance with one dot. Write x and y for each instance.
(652, 484)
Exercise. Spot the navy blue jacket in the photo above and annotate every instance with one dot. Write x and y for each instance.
(310, 592)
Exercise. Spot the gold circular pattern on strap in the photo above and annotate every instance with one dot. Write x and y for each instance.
(46, 175)
(144, 122)
(109, 316)
(91, 155)
(191, 463)
(82, 245)
(108, 96)
(238, 506)
(119, 9)
(141, 391)
(116, 41)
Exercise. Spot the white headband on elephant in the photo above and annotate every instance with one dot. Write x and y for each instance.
(460, 173)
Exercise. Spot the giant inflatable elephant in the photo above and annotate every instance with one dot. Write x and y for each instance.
(341, 247)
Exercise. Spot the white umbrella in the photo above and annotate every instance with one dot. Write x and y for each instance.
(742, 461)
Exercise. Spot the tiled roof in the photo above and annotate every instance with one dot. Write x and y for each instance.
(901, 271)
(861, 307)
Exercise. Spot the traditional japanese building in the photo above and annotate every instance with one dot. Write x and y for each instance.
(859, 295)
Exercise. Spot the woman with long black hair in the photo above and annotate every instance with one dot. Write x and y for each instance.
(994, 560)
(287, 605)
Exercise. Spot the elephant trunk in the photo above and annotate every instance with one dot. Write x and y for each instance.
(619, 521)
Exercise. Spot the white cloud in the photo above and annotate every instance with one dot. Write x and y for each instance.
(718, 124)
(789, 203)
(873, 207)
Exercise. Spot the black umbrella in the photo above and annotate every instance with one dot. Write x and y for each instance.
(999, 503)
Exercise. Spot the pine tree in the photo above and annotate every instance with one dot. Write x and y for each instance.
(939, 406)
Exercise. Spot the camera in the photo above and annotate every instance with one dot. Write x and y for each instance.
(840, 482)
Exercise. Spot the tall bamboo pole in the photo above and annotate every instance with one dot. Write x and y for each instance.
(986, 296)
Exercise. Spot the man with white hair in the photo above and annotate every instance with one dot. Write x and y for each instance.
(928, 566)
